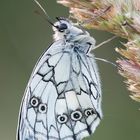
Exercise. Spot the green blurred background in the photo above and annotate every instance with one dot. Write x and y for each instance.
(23, 37)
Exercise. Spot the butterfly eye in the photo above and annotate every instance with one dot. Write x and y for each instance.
(34, 102)
(62, 118)
(76, 115)
(62, 27)
(89, 112)
(42, 108)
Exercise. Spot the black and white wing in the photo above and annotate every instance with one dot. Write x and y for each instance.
(62, 100)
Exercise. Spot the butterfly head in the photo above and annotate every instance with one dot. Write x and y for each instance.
(65, 29)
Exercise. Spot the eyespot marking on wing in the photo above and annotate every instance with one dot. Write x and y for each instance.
(76, 115)
(42, 108)
(62, 118)
(34, 101)
(88, 112)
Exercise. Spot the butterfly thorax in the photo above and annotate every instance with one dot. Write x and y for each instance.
(72, 35)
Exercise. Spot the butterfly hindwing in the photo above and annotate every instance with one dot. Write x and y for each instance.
(62, 100)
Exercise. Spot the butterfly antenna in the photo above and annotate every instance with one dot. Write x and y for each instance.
(43, 10)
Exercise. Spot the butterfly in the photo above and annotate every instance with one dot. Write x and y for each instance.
(62, 100)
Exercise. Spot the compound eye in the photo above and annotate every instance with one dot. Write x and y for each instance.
(34, 102)
(89, 112)
(42, 108)
(62, 118)
(62, 27)
(76, 115)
